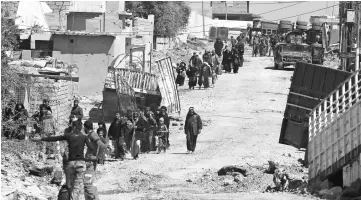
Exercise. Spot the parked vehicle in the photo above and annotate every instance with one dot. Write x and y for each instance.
(292, 51)
(334, 142)
(310, 84)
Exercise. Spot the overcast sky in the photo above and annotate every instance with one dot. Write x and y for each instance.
(259, 7)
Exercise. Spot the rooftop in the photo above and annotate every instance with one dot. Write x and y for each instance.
(82, 33)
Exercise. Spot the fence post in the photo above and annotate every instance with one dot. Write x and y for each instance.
(350, 93)
(356, 84)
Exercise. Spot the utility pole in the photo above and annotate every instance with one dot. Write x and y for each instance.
(204, 28)
(226, 10)
(357, 63)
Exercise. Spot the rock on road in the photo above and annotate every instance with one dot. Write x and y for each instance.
(243, 113)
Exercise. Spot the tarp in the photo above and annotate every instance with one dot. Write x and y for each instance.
(29, 14)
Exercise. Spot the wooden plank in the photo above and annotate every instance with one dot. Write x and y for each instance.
(74, 79)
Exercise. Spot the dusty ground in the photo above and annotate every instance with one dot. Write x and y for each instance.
(242, 117)
(243, 114)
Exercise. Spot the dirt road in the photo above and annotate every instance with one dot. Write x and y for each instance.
(243, 115)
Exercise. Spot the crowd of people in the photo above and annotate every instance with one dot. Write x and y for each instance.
(264, 45)
(132, 133)
(203, 69)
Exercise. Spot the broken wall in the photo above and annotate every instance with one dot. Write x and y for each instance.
(60, 93)
(91, 54)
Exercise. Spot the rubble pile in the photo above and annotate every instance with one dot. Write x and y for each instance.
(24, 174)
(44, 65)
(182, 53)
(239, 178)
(328, 190)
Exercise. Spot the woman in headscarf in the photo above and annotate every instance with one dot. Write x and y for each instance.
(206, 74)
(181, 74)
(227, 59)
(192, 76)
(218, 46)
(21, 116)
(235, 59)
(192, 128)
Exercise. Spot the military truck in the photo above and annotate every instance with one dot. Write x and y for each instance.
(294, 49)
(301, 44)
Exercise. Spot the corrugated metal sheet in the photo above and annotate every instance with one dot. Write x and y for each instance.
(167, 86)
(310, 84)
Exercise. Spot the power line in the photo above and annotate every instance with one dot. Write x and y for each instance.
(280, 8)
(305, 13)
(278, 2)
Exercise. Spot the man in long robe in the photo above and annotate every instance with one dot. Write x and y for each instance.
(218, 46)
(206, 74)
(192, 128)
(227, 59)
(236, 60)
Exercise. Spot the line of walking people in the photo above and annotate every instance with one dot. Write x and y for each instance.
(204, 70)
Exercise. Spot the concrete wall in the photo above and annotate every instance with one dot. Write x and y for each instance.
(91, 54)
(57, 20)
(90, 22)
(60, 93)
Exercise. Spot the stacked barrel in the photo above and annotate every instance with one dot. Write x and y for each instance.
(285, 26)
(301, 25)
(314, 34)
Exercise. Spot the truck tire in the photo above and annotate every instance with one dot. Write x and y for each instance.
(280, 66)
(301, 27)
(316, 28)
(285, 22)
(285, 26)
(303, 23)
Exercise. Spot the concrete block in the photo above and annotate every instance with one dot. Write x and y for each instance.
(26, 55)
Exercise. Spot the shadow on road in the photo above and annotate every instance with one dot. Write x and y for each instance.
(285, 69)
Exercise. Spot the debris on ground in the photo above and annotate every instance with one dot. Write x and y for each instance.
(230, 169)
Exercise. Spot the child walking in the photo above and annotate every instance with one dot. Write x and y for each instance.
(162, 136)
